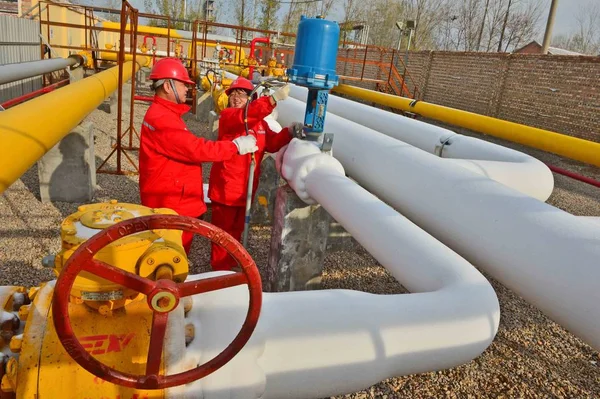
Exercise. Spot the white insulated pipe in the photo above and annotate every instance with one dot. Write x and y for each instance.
(315, 344)
(509, 167)
(13, 72)
(544, 254)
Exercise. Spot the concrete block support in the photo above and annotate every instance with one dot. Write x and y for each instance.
(204, 105)
(141, 77)
(298, 242)
(68, 171)
(114, 101)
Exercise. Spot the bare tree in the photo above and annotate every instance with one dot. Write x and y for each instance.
(353, 16)
(427, 14)
(169, 8)
(447, 37)
(523, 25)
(268, 19)
(291, 18)
(587, 38)
(504, 25)
(242, 14)
(381, 16)
(296, 9)
(482, 25)
(480, 34)
(494, 23)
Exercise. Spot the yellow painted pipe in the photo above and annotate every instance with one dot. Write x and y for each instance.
(567, 146)
(174, 34)
(149, 30)
(142, 60)
(29, 130)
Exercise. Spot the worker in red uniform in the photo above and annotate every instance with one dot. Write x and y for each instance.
(229, 179)
(170, 155)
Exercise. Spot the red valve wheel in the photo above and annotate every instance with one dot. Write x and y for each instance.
(162, 296)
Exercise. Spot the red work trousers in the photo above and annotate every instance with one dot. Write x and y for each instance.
(230, 219)
(187, 237)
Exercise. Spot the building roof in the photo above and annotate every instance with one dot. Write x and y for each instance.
(9, 7)
(560, 51)
(551, 50)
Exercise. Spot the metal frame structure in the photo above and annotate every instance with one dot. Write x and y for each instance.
(127, 13)
(395, 83)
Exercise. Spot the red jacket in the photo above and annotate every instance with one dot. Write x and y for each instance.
(229, 179)
(171, 160)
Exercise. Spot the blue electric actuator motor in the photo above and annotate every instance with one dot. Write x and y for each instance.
(315, 59)
(315, 54)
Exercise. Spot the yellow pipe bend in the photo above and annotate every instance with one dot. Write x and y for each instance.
(29, 130)
(567, 146)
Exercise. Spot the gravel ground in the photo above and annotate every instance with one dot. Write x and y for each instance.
(531, 357)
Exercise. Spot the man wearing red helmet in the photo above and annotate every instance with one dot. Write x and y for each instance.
(170, 155)
(229, 179)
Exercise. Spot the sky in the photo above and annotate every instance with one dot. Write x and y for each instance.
(564, 23)
(566, 14)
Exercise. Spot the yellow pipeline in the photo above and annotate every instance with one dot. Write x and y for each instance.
(151, 30)
(29, 130)
(173, 33)
(143, 61)
(567, 146)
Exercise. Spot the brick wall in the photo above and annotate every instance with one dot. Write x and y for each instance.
(557, 93)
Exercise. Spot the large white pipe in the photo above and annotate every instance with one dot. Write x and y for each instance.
(544, 254)
(321, 343)
(23, 70)
(509, 167)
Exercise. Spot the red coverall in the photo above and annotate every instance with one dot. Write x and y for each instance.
(171, 162)
(229, 179)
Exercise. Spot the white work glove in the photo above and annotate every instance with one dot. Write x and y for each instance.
(296, 130)
(246, 144)
(281, 93)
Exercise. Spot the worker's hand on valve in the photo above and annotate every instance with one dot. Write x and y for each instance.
(281, 93)
(246, 144)
(296, 130)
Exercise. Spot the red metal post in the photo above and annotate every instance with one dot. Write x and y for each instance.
(362, 73)
(575, 176)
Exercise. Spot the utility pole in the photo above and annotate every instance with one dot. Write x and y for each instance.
(549, 26)
(504, 26)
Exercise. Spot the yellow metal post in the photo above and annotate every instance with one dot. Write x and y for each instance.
(567, 146)
(29, 130)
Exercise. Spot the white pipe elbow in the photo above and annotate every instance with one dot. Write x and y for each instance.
(298, 159)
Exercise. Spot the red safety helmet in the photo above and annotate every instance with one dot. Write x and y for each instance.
(240, 83)
(170, 68)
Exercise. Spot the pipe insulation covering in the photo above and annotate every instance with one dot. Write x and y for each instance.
(13, 72)
(509, 167)
(315, 344)
(545, 140)
(546, 255)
